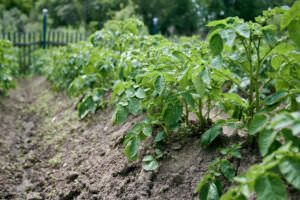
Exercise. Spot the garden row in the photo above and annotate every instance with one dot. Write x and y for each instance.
(247, 70)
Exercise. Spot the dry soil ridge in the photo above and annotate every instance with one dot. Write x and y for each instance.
(47, 153)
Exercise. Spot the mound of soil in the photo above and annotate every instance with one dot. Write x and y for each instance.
(46, 152)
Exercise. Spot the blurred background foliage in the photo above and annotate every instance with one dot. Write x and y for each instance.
(175, 17)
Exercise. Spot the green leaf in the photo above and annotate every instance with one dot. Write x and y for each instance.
(180, 55)
(130, 92)
(86, 106)
(296, 128)
(199, 84)
(147, 130)
(257, 124)
(269, 35)
(159, 154)
(265, 140)
(160, 136)
(211, 134)
(150, 163)
(290, 168)
(275, 98)
(205, 75)
(216, 44)
(97, 94)
(270, 186)
(282, 120)
(134, 106)
(209, 192)
(290, 15)
(243, 30)
(235, 153)
(131, 149)
(228, 36)
(122, 114)
(227, 170)
(277, 61)
(159, 84)
(189, 99)
(233, 194)
(172, 115)
(131, 27)
(203, 181)
(216, 23)
(140, 93)
(290, 138)
(294, 31)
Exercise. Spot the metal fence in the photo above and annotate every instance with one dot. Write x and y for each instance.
(28, 42)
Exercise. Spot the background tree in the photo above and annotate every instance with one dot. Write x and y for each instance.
(181, 17)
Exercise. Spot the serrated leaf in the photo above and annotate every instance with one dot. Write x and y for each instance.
(270, 186)
(211, 134)
(257, 124)
(140, 93)
(216, 44)
(159, 84)
(265, 140)
(134, 106)
(227, 170)
(290, 168)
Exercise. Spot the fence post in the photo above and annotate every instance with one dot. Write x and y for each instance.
(44, 26)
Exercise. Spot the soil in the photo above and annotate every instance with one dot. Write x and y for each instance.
(46, 152)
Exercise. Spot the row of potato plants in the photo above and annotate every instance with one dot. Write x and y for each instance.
(247, 70)
(8, 66)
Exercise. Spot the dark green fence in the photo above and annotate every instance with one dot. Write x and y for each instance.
(28, 42)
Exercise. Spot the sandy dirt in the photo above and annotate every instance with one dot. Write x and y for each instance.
(46, 152)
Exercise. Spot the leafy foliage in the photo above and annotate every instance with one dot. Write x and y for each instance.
(8, 66)
(247, 70)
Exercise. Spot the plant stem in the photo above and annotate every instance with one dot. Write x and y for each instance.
(200, 115)
(250, 97)
(259, 64)
(186, 114)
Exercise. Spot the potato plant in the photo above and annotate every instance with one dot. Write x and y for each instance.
(8, 66)
(247, 70)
